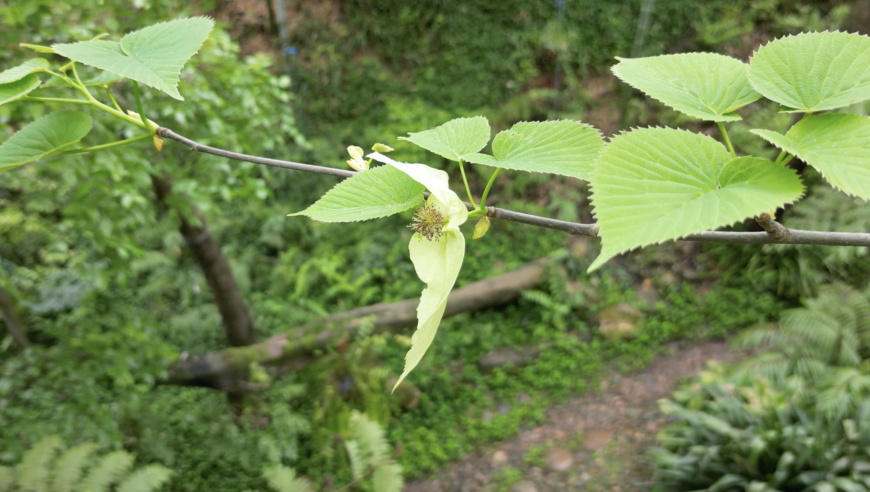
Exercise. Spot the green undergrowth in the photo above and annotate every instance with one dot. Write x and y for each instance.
(461, 407)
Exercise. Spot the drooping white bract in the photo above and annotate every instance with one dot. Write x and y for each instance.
(438, 261)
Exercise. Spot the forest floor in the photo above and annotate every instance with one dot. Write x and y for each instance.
(593, 442)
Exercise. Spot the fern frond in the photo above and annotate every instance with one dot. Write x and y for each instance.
(388, 478)
(107, 471)
(357, 464)
(68, 469)
(33, 472)
(146, 479)
(284, 479)
(369, 436)
(763, 335)
(771, 365)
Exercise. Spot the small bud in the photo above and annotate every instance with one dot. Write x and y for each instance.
(356, 158)
(383, 149)
(428, 222)
(158, 142)
(481, 227)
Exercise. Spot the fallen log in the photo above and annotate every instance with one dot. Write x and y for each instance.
(228, 370)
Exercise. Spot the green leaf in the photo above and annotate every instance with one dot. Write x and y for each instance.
(813, 71)
(454, 139)
(153, 56)
(655, 184)
(704, 85)
(23, 70)
(378, 192)
(51, 133)
(568, 148)
(18, 89)
(837, 145)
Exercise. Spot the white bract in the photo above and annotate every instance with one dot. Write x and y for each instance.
(438, 261)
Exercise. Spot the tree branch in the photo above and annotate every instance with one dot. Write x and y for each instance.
(783, 236)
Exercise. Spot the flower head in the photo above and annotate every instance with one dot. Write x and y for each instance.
(428, 222)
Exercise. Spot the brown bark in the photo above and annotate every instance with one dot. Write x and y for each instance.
(227, 370)
(236, 321)
(11, 319)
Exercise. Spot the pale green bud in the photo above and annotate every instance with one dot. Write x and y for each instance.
(383, 149)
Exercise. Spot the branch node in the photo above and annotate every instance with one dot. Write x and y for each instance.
(777, 232)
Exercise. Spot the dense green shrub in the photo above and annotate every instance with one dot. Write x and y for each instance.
(748, 433)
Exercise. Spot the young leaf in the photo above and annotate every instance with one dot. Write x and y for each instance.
(836, 144)
(18, 89)
(153, 56)
(568, 148)
(378, 192)
(813, 71)
(454, 139)
(704, 85)
(44, 136)
(655, 184)
(23, 70)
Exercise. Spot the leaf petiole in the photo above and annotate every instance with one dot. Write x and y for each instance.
(108, 145)
(56, 99)
(139, 106)
(465, 182)
(727, 140)
(780, 157)
(112, 98)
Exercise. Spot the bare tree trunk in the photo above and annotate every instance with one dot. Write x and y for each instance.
(228, 369)
(235, 318)
(12, 320)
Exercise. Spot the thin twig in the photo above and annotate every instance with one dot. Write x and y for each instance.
(791, 236)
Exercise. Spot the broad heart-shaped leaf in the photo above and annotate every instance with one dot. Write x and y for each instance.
(813, 71)
(704, 85)
(655, 184)
(836, 144)
(48, 134)
(18, 89)
(23, 70)
(377, 192)
(153, 56)
(455, 138)
(568, 148)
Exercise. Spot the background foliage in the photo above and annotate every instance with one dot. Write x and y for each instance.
(111, 296)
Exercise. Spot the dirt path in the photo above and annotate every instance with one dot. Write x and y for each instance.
(594, 442)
